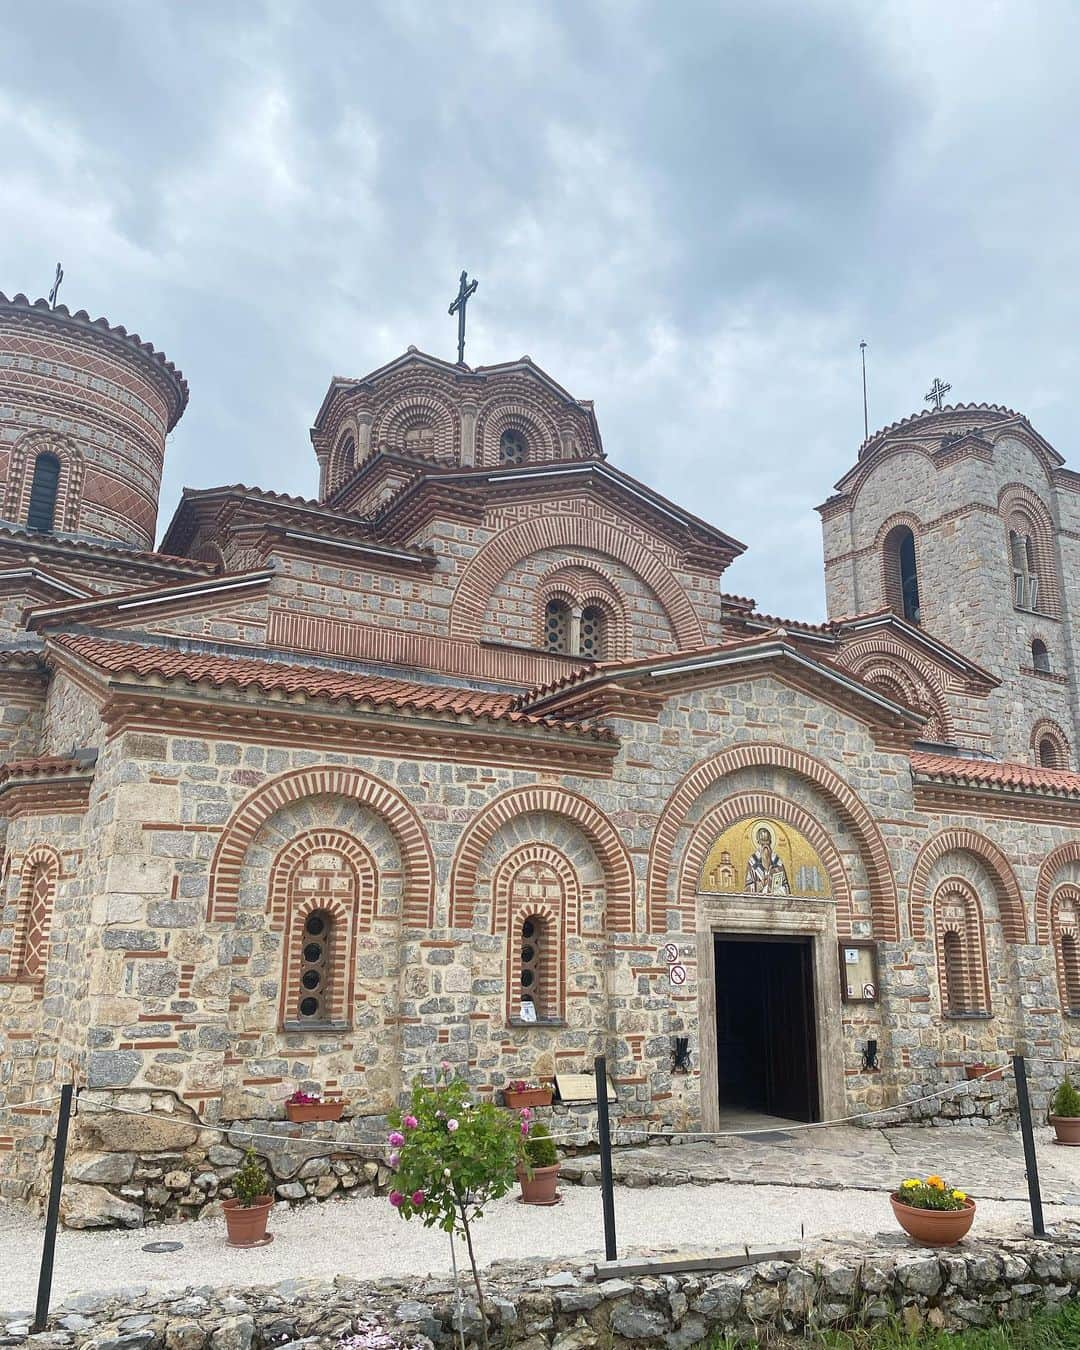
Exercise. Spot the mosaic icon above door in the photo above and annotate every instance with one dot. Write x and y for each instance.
(758, 856)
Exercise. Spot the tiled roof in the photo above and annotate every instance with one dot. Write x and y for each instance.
(116, 331)
(375, 691)
(995, 773)
(43, 766)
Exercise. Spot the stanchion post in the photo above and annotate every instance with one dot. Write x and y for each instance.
(52, 1213)
(607, 1184)
(1027, 1132)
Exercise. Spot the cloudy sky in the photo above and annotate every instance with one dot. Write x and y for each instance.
(691, 213)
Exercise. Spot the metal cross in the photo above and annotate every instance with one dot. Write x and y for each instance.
(465, 289)
(937, 392)
(56, 286)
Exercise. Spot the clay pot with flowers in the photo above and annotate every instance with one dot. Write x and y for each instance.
(932, 1212)
(538, 1169)
(247, 1213)
(314, 1106)
(521, 1093)
(1065, 1113)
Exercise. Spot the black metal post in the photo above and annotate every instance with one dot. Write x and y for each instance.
(607, 1184)
(1031, 1166)
(52, 1214)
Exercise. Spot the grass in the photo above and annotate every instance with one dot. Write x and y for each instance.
(1059, 1330)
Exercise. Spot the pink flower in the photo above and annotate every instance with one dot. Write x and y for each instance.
(396, 1199)
(524, 1127)
(446, 1065)
(394, 1160)
(418, 1198)
(410, 1123)
(526, 1113)
(396, 1139)
(451, 1125)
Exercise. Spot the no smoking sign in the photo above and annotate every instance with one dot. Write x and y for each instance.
(677, 974)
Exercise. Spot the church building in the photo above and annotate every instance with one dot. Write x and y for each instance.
(471, 757)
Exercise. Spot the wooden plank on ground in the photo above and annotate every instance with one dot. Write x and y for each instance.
(722, 1258)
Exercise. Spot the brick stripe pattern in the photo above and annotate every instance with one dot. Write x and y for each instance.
(1053, 864)
(1009, 900)
(883, 901)
(418, 898)
(1023, 511)
(963, 979)
(27, 959)
(601, 834)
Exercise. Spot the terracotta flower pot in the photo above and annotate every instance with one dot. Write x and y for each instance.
(325, 1110)
(532, 1097)
(246, 1224)
(1067, 1129)
(539, 1189)
(934, 1227)
(983, 1071)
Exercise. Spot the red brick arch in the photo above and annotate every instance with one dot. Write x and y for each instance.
(748, 804)
(883, 902)
(1009, 900)
(524, 801)
(418, 897)
(520, 541)
(1052, 864)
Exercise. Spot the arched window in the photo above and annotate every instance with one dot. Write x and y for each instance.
(961, 958)
(1065, 909)
(1025, 572)
(420, 440)
(901, 573)
(1049, 753)
(316, 944)
(557, 626)
(512, 448)
(531, 963)
(1040, 657)
(43, 492)
(594, 625)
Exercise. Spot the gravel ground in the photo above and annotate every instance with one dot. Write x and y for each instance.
(365, 1239)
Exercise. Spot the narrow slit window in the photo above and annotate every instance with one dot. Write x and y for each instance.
(557, 626)
(313, 1003)
(956, 994)
(1040, 657)
(43, 490)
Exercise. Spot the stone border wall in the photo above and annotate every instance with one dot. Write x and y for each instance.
(572, 1306)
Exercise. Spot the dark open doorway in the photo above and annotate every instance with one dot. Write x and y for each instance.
(766, 1043)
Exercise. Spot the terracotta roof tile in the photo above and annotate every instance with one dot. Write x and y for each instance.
(43, 766)
(996, 773)
(196, 667)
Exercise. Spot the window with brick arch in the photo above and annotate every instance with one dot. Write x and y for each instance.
(512, 447)
(322, 894)
(1049, 753)
(1066, 934)
(962, 975)
(536, 960)
(594, 632)
(1026, 582)
(316, 969)
(901, 573)
(43, 491)
(557, 626)
(420, 441)
(1040, 657)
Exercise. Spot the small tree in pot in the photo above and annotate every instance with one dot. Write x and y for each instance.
(1065, 1113)
(538, 1170)
(246, 1215)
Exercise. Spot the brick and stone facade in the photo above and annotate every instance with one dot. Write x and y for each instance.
(431, 766)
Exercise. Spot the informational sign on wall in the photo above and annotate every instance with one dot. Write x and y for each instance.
(858, 970)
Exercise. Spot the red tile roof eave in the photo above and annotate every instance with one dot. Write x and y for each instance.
(44, 766)
(982, 773)
(120, 659)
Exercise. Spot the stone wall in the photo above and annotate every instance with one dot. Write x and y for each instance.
(574, 1305)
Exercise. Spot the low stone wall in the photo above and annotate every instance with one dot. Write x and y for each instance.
(575, 1305)
(128, 1169)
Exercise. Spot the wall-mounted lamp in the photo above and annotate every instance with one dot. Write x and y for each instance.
(869, 1057)
(680, 1056)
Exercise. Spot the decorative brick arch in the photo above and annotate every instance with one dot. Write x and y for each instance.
(548, 856)
(20, 477)
(1047, 729)
(883, 902)
(39, 874)
(891, 588)
(418, 897)
(520, 541)
(411, 410)
(1048, 873)
(499, 415)
(1009, 900)
(884, 661)
(960, 947)
(749, 804)
(1065, 934)
(1025, 511)
(594, 825)
(328, 840)
(551, 897)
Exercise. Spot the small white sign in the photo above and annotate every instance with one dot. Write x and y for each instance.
(528, 1011)
(677, 975)
(869, 991)
(851, 956)
(671, 953)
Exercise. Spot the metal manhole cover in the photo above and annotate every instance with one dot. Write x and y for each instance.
(163, 1247)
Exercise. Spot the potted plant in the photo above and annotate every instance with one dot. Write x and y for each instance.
(246, 1215)
(452, 1157)
(314, 1106)
(522, 1093)
(932, 1212)
(538, 1169)
(1065, 1113)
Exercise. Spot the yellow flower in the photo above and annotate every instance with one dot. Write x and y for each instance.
(936, 1182)
(910, 1184)
(959, 1195)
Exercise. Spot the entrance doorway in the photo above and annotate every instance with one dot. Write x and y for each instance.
(766, 1042)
